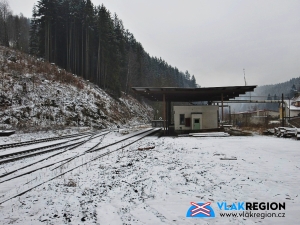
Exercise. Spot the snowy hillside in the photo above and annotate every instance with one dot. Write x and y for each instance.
(38, 94)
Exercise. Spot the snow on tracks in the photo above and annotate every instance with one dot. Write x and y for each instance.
(50, 175)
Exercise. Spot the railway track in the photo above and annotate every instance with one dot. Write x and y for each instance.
(18, 155)
(67, 147)
(70, 147)
(19, 144)
(120, 144)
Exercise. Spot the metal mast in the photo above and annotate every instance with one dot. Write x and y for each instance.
(245, 77)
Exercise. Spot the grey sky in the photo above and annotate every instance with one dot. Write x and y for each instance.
(214, 40)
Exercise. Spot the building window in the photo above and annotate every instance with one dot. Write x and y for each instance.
(181, 119)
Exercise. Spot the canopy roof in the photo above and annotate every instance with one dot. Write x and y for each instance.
(175, 94)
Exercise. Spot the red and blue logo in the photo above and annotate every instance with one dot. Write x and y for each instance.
(200, 210)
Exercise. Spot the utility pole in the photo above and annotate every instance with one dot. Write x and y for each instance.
(229, 114)
(245, 77)
(282, 111)
(222, 108)
(289, 108)
(164, 114)
(246, 81)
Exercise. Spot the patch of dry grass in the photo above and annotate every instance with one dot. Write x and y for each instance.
(19, 63)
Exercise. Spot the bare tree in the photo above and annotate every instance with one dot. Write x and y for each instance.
(5, 12)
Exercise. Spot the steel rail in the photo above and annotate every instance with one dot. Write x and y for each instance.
(100, 156)
(73, 146)
(29, 152)
(37, 152)
(20, 168)
(144, 134)
(12, 145)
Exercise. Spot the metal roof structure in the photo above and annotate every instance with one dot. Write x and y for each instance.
(176, 94)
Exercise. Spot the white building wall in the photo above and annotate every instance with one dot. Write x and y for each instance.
(293, 113)
(273, 113)
(209, 116)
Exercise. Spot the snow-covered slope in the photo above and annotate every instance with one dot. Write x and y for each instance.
(39, 94)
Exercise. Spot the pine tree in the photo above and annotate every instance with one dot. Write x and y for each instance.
(34, 37)
(269, 97)
(193, 82)
(88, 41)
(4, 15)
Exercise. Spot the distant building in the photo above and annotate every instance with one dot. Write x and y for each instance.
(293, 107)
(253, 117)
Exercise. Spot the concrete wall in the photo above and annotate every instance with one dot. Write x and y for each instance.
(258, 120)
(209, 116)
(273, 114)
(293, 113)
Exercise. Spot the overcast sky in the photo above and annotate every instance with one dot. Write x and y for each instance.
(213, 40)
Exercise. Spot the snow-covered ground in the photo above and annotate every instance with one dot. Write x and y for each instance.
(156, 186)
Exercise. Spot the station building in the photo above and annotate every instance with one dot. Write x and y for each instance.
(189, 117)
(196, 117)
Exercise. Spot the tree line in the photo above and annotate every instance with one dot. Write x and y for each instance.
(89, 41)
(274, 91)
(14, 29)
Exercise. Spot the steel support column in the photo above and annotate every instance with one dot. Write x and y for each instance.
(168, 116)
(164, 114)
(222, 108)
(282, 110)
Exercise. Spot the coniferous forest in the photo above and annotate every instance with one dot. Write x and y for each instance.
(14, 29)
(89, 41)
